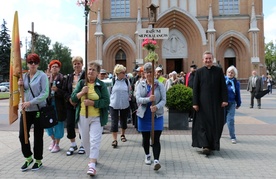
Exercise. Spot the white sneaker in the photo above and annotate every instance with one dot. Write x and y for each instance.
(233, 141)
(157, 165)
(147, 160)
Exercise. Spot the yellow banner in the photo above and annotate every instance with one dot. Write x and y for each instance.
(15, 71)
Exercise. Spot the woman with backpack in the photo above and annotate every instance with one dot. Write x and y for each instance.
(119, 103)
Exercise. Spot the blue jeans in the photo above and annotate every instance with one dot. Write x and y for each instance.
(230, 115)
(269, 87)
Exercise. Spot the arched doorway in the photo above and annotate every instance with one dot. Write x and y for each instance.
(174, 49)
(229, 58)
(120, 58)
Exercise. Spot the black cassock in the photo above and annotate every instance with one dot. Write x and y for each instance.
(208, 93)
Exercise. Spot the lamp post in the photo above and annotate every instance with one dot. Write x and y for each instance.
(87, 4)
(152, 20)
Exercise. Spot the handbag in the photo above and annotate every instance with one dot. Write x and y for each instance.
(48, 117)
(47, 114)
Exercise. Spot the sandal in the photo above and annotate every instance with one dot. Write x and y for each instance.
(123, 138)
(114, 143)
(71, 150)
(81, 150)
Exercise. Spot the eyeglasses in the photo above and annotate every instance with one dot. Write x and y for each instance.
(32, 62)
(54, 66)
(92, 69)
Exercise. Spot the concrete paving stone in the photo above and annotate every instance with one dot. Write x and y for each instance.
(254, 155)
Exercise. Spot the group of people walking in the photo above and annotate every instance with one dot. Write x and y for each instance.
(88, 103)
(41, 90)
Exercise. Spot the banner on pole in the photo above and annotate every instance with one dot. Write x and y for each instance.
(15, 71)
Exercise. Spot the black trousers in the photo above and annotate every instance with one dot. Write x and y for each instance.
(116, 115)
(38, 136)
(156, 147)
(71, 133)
(253, 93)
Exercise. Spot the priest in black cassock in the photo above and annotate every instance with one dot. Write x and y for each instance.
(209, 99)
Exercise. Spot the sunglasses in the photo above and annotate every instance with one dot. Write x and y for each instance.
(32, 62)
(148, 72)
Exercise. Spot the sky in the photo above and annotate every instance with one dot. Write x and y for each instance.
(60, 20)
(63, 21)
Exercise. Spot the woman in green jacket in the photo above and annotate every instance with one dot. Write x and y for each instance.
(91, 113)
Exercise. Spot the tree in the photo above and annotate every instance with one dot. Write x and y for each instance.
(58, 52)
(5, 51)
(41, 47)
(63, 54)
(270, 58)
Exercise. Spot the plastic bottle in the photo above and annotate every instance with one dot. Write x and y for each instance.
(53, 92)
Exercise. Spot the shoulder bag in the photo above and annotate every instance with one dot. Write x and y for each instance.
(47, 114)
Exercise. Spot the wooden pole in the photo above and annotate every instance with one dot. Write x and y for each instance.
(153, 103)
(24, 113)
(86, 12)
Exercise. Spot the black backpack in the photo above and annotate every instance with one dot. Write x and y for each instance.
(113, 82)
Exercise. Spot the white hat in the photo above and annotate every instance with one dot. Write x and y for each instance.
(138, 69)
(158, 69)
(103, 71)
(174, 73)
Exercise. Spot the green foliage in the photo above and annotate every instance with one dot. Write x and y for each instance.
(180, 97)
(270, 59)
(5, 50)
(58, 52)
(63, 54)
(41, 47)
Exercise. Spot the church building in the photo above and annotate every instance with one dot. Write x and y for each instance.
(233, 30)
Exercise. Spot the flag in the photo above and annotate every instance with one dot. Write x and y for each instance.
(15, 71)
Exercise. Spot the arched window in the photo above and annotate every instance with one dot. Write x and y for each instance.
(120, 8)
(229, 7)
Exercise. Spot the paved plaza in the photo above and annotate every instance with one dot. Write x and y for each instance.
(254, 155)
